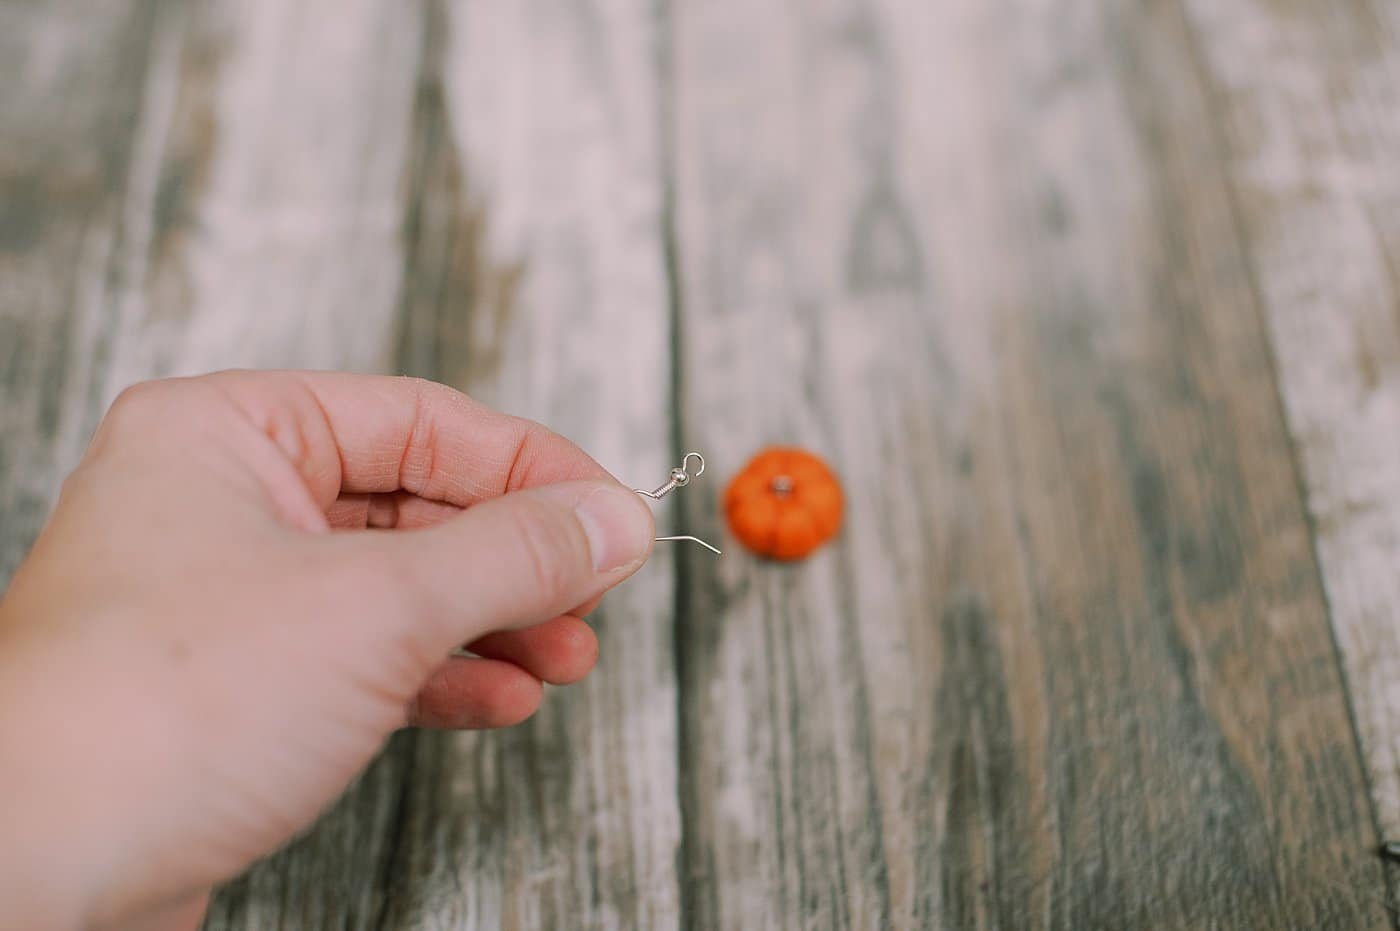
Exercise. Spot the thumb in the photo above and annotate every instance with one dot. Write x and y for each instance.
(523, 558)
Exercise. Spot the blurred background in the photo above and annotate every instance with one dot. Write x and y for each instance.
(1094, 305)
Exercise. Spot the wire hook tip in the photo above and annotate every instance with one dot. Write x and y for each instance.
(689, 539)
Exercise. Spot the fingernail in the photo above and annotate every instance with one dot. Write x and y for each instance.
(618, 525)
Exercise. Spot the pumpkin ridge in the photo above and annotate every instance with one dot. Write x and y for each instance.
(786, 523)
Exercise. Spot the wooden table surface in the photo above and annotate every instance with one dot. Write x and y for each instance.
(1094, 304)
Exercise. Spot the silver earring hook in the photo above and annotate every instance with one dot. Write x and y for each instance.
(679, 478)
(687, 539)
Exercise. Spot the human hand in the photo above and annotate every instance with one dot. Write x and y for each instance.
(193, 663)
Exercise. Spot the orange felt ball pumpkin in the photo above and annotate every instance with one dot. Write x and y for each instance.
(784, 504)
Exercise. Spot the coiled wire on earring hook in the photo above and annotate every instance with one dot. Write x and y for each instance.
(679, 478)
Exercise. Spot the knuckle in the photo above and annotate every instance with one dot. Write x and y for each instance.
(148, 401)
(136, 411)
(431, 392)
(138, 401)
(427, 386)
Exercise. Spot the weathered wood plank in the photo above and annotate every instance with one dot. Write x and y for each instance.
(417, 842)
(1309, 114)
(276, 224)
(536, 281)
(70, 153)
(194, 187)
(276, 243)
(296, 198)
(1070, 666)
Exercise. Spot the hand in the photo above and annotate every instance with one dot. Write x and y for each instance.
(215, 632)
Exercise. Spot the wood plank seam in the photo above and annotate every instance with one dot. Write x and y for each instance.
(1258, 304)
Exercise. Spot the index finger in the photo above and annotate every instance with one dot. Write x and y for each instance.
(366, 434)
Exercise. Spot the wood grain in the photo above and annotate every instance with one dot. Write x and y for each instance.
(70, 163)
(196, 187)
(1310, 164)
(277, 244)
(1070, 666)
(535, 281)
(287, 186)
(1033, 277)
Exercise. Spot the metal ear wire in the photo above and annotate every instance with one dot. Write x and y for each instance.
(679, 478)
(689, 540)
